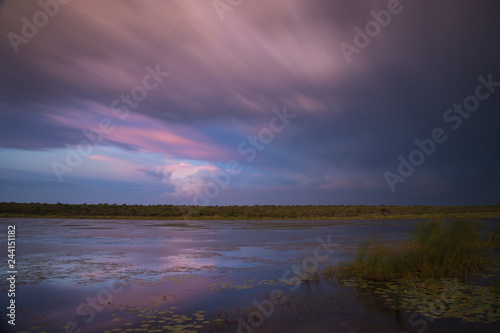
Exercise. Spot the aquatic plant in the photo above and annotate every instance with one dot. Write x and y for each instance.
(309, 275)
(435, 250)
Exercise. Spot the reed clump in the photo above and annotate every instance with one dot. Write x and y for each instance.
(436, 250)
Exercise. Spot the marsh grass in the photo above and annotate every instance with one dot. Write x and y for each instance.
(436, 250)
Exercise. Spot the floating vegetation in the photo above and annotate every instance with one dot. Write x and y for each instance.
(166, 320)
(82, 267)
(162, 290)
(436, 299)
(308, 275)
(247, 284)
(300, 277)
(415, 277)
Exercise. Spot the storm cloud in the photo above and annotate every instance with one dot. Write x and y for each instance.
(73, 69)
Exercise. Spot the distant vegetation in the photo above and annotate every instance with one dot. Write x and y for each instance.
(436, 250)
(166, 212)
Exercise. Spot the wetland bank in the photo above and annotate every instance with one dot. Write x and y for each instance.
(85, 275)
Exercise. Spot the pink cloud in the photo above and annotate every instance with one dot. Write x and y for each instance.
(102, 158)
(186, 179)
(146, 134)
(237, 60)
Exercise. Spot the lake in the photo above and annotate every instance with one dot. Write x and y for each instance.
(221, 276)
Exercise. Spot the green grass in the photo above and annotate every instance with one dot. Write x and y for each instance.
(436, 250)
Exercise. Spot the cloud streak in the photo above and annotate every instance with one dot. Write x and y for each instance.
(225, 78)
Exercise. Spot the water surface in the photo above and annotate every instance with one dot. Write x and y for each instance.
(206, 276)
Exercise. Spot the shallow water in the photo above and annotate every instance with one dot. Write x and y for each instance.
(210, 276)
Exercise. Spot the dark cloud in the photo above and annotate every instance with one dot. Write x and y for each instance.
(354, 119)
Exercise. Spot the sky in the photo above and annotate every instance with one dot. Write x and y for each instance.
(239, 102)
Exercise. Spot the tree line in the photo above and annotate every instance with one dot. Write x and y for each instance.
(13, 209)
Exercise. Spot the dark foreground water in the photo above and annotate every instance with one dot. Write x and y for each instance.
(221, 276)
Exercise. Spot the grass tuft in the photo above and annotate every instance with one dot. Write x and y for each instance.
(436, 250)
